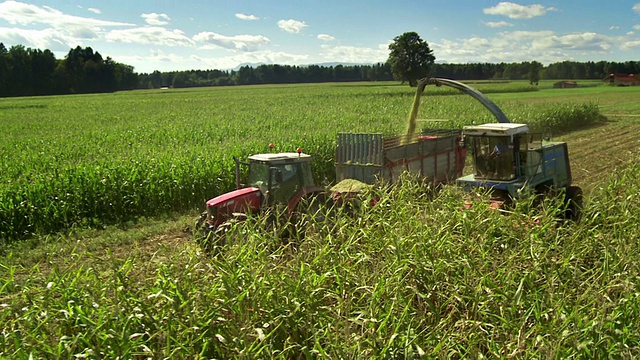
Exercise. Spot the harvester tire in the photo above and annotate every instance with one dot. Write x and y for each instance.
(573, 203)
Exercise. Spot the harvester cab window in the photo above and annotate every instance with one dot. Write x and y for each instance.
(494, 157)
(531, 154)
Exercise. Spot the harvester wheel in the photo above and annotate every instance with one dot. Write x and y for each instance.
(573, 203)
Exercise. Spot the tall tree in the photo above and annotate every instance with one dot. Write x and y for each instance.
(410, 58)
(534, 72)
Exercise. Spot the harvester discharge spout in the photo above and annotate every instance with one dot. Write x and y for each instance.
(490, 105)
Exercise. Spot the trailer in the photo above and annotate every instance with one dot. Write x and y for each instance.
(436, 156)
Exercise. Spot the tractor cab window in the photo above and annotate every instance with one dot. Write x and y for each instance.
(494, 157)
(285, 183)
(288, 172)
(259, 175)
(307, 174)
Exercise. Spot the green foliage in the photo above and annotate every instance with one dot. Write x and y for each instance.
(534, 72)
(410, 58)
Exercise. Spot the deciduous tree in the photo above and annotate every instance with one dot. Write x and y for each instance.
(410, 58)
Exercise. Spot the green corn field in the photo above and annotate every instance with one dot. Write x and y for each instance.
(96, 160)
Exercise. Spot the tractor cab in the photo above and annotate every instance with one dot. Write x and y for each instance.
(507, 158)
(279, 176)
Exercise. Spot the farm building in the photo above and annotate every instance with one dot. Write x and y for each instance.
(565, 84)
(619, 79)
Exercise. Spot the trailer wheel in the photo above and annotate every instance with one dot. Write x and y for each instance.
(573, 203)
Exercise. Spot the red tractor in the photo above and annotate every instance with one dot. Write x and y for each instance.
(282, 182)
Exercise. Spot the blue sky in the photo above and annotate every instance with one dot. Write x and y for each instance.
(222, 34)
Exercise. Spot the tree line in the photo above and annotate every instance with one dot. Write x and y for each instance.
(286, 74)
(266, 74)
(26, 72)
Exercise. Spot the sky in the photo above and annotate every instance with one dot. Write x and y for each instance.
(168, 35)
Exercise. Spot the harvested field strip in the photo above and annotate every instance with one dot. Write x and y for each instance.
(596, 152)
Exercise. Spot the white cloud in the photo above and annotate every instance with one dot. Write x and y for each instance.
(16, 12)
(292, 26)
(156, 19)
(636, 8)
(150, 35)
(246, 17)
(237, 42)
(354, 54)
(51, 39)
(629, 45)
(158, 59)
(636, 27)
(325, 37)
(517, 46)
(94, 10)
(497, 24)
(517, 11)
(60, 30)
(614, 27)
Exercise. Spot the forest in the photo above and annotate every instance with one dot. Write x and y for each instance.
(26, 72)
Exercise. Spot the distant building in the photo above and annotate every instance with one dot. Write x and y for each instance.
(619, 79)
(565, 84)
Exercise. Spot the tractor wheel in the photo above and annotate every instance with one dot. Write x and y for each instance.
(214, 239)
(202, 220)
(573, 203)
(201, 230)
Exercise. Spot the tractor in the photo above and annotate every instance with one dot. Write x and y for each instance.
(282, 182)
(508, 160)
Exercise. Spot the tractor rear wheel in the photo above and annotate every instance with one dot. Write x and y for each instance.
(573, 203)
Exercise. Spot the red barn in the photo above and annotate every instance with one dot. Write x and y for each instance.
(619, 79)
